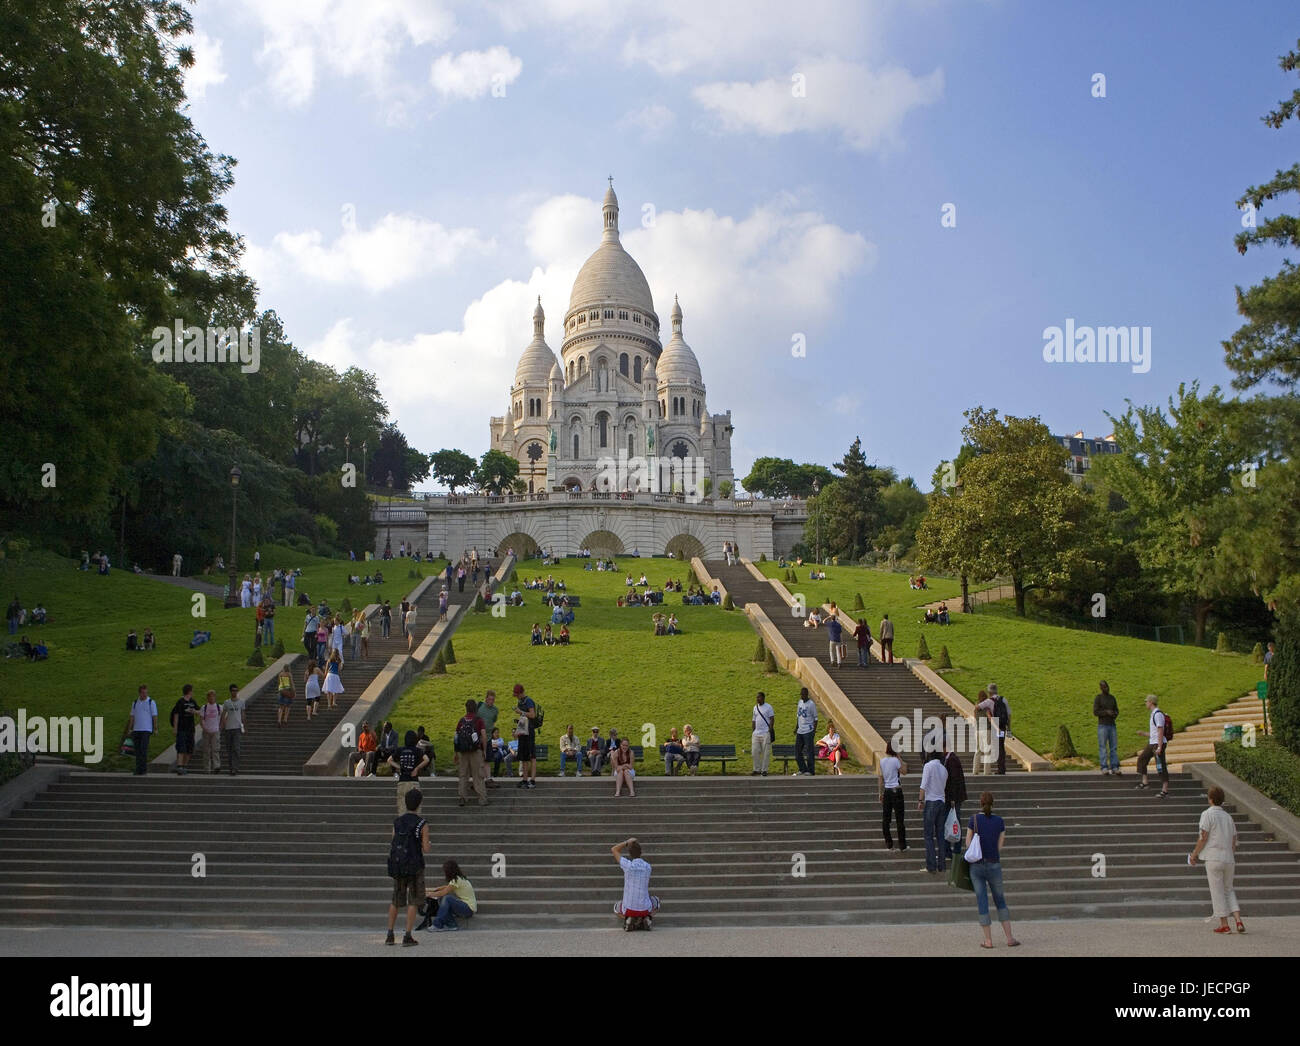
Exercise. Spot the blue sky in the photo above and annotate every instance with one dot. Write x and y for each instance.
(414, 173)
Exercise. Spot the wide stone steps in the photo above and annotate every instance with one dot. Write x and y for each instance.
(882, 693)
(1195, 742)
(111, 850)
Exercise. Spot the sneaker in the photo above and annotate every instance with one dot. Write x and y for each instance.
(522, 784)
(461, 802)
(409, 942)
(390, 939)
(532, 784)
(649, 924)
(764, 773)
(482, 802)
(628, 923)
(445, 929)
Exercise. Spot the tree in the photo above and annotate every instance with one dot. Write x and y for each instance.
(1176, 475)
(1026, 518)
(846, 514)
(397, 456)
(782, 478)
(452, 468)
(497, 472)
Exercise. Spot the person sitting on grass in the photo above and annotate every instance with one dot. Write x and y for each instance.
(564, 635)
(658, 619)
(628, 582)
(444, 903)
(632, 599)
(643, 580)
(548, 638)
(132, 643)
(715, 596)
(673, 630)
(536, 638)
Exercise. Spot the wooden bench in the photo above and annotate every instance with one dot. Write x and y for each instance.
(785, 753)
(718, 754)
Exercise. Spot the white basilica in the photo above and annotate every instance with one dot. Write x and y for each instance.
(615, 389)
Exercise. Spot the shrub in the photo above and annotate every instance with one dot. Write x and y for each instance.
(256, 660)
(1284, 684)
(1222, 647)
(440, 665)
(278, 649)
(725, 488)
(1064, 744)
(760, 652)
(769, 663)
(450, 652)
(857, 602)
(1268, 766)
(479, 606)
(762, 557)
(727, 604)
(943, 660)
(922, 649)
(414, 575)
(1257, 655)
(346, 606)
(14, 763)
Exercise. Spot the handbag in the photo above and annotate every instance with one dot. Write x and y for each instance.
(974, 852)
(959, 874)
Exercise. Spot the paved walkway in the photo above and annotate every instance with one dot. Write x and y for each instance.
(1276, 936)
(982, 595)
(206, 587)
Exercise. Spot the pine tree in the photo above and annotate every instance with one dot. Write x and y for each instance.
(1284, 683)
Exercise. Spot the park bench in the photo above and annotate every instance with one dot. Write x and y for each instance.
(718, 754)
(785, 753)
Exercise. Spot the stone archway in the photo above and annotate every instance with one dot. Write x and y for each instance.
(572, 483)
(684, 547)
(525, 546)
(604, 544)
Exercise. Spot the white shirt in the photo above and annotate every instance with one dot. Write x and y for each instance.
(210, 717)
(636, 884)
(763, 714)
(1217, 823)
(1156, 724)
(889, 768)
(934, 779)
(143, 712)
(807, 716)
(234, 710)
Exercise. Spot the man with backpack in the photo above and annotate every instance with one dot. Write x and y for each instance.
(526, 708)
(1002, 717)
(1160, 729)
(409, 762)
(143, 723)
(470, 742)
(406, 852)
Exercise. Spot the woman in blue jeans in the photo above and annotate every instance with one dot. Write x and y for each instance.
(445, 903)
(986, 873)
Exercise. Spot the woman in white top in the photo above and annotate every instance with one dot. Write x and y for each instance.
(1218, 846)
(890, 789)
(834, 748)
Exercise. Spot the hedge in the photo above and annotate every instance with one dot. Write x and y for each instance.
(1268, 767)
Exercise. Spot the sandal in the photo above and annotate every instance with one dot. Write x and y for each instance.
(1013, 944)
(1240, 928)
(1223, 929)
(985, 944)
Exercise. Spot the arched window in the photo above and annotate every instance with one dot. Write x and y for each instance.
(570, 370)
(575, 446)
(594, 314)
(582, 319)
(622, 365)
(662, 404)
(602, 429)
(631, 444)
(622, 314)
(609, 314)
(636, 317)
(636, 370)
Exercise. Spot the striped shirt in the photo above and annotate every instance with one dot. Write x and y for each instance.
(636, 884)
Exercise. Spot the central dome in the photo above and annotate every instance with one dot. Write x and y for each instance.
(611, 274)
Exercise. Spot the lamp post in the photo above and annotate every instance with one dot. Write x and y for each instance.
(817, 524)
(364, 480)
(347, 449)
(388, 542)
(232, 597)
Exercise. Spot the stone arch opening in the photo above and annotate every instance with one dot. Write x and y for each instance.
(684, 546)
(572, 482)
(525, 546)
(604, 544)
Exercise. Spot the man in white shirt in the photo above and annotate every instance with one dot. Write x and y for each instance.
(232, 724)
(1157, 742)
(934, 780)
(144, 724)
(805, 752)
(762, 719)
(638, 904)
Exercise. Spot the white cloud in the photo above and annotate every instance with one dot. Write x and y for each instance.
(397, 248)
(652, 120)
(207, 68)
(350, 38)
(779, 269)
(472, 74)
(865, 107)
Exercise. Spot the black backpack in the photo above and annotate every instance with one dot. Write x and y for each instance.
(1002, 714)
(464, 740)
(405, 850)
(537, 723)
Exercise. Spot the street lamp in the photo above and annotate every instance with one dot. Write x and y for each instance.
(817, 524)
(364, 480)
(232, 599)
(388, 542)
(347, 449)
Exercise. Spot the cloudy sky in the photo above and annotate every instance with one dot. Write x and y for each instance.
(414, 173)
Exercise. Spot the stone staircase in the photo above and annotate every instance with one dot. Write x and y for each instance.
(112, 850)
(1195, 743)
(271, 749)
(881, 692)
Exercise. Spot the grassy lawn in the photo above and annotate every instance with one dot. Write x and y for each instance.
(90, 672)
(1047, 673)
(616, 672)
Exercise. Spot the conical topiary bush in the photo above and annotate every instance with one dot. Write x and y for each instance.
(760, 653)
(943, 660)
(479, 606)
(1257, 655)
(256, 660)
(1064, 745)
(857, 602)
(727, 604)
(440, 665)
(347, 607)
(922, 650)
(769, 664)
(278, 650)
(450, 652)
(1221, 647)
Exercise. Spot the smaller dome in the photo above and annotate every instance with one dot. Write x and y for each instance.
(538, 362)
(677, 364)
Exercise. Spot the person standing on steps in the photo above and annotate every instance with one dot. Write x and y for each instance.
(408, 625)
(1157, 742)
(410, 842)
(442, 605)
(385, 619)
(526, 709)
(986, 869)
(143, 724)
(1217, 844)
(890, 794)
(886, 641)
(409, 762)
(863, 635)
(805, 748)
(471, 748)
(835, 633)
(934, 779)
(311, 687)
(1106, 709)
(333, 684)
(954, 791)
(309, 626)
(488, 712)
(1002, 719)
(232, 724)
(183, 723)
(210, 717)
(763, 723)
